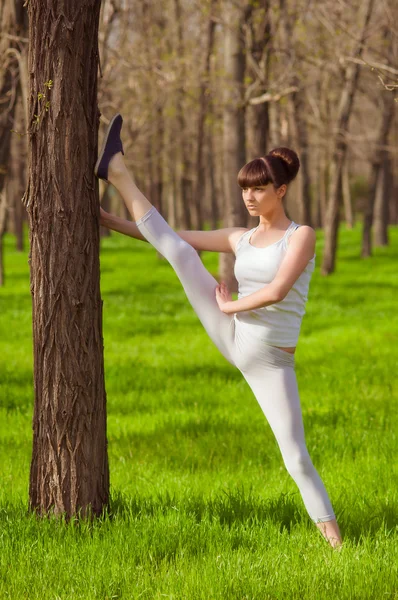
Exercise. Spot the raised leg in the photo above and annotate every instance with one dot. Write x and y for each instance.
(198, 283)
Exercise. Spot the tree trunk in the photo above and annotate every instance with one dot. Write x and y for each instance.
(295, 114)
(233, 130)
(69, 469)
(383, 191)
(349, 216)
(379, 157)
(184, 183)
(376, 195)
(3, 214)
(12, 21)
(258, 119)
(203, 108)
(340, 148)
(211, 178)
(16, 182)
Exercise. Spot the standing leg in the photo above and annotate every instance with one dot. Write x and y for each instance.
(197, 282)
(270, 373)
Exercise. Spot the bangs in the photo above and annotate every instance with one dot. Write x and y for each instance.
(253, 174)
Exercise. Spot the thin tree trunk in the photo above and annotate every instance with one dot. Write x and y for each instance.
(16, 183)
(184, 184)
(69, 469)
(214, 206)
(297, 125)
(379, 156)
(340, 148)
(233, 130)
(383, 191)
(349, 215)
(3, 215)
(203, 109)
(258, 119)
(12, 21)
(376, 195)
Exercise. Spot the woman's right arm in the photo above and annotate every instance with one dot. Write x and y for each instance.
(218, 240)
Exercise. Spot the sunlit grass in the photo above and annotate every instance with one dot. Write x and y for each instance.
(202, 506)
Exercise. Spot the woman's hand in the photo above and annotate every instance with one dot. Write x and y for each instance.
(223, 297)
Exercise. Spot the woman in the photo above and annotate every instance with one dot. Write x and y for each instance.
(258, 332)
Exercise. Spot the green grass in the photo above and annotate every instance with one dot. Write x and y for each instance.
(202, 507)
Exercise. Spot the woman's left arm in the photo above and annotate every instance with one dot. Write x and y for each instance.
(301, 249)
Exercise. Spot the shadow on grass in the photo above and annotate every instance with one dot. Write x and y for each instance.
(228, 508)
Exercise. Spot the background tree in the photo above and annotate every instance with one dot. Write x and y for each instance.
(69, 469)
(12, 27)
(163, 66)
(234, 141)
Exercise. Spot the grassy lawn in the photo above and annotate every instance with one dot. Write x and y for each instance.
(202, 506)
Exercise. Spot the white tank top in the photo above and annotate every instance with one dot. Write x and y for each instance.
(256, 267)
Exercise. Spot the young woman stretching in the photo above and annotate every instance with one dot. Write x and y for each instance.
(258, 332)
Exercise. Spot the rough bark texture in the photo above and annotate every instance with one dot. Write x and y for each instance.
(69, 469)
(340, 148)
(234, 149)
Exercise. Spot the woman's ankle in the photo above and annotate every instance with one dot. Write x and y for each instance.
(117, 168)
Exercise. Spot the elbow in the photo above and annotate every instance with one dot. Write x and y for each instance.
(279, 294)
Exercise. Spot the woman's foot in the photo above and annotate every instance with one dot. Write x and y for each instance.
(111, 151)
(331, 532)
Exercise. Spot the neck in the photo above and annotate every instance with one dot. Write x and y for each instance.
(277, 220)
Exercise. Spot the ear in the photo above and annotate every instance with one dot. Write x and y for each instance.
(281, 191)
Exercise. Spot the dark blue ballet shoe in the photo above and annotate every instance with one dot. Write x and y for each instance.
(112, 144)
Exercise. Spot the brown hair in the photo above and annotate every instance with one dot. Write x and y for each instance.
(280, 166)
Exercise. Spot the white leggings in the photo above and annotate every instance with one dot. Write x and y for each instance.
(268, 370)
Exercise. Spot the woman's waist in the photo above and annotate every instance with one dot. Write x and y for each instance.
(277, 332)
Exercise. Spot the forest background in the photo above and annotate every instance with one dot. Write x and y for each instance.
(200, 505)
(206, 86)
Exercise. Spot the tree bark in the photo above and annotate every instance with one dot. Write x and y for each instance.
(69, 469)
(340, 148)
(234, 149)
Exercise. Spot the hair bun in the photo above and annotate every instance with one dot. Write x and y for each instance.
(289, 159)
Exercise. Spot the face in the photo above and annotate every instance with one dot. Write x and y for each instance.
(262, 199)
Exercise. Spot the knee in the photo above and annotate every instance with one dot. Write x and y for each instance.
(180, 253)
(299, 464)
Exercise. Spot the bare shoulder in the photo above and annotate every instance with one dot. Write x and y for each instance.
(303, 241)
(234, 234)
(304, 234)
